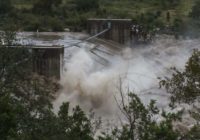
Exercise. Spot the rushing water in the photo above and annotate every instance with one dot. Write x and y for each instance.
(93, 71)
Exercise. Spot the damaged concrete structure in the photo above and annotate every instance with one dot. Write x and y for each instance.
(48, 61)
(119, 29)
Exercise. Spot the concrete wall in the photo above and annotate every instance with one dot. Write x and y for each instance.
(48, 61)
(119, 32)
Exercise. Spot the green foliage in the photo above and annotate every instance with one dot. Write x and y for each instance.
(56, 24)
(40, 123)
(193, 134)
(185, 86)
(8, 117)
(5, 6)
(150, 21)
(169, 4)
(45, 6)
(163, 130)
(25, 103)
(195, 13)
(87, 5)
(28, 14)
(140, 125)
(13, 67)
(77, 125)
(26, 109)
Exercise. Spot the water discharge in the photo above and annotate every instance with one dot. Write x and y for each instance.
(92, 85)
(93, 73)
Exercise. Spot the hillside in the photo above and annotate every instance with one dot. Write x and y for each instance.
(125, 8)
(56, 15)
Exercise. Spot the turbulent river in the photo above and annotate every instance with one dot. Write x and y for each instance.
(95, 73)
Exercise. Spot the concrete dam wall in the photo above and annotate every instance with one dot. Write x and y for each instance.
(48, 61)
(119, 29)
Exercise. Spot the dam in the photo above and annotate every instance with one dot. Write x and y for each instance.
(48, 61)
(119, 29)
(48, 56)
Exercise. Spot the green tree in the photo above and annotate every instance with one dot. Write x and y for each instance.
(169, 4)
(193, 134)
(45, 6)
(140, 125)
(195, 13)
(184, 87)
(8, 117)
(5, 6)
(87, 5)
(76, 126)
(25, 103)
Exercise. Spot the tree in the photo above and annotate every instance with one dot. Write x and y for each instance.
(76, 126)
(169, 4)
(5, 6)
(193, 134)
(87, 5)
(8, 117)
(140, 125)
(45, 6)
(25, 103)
(185, 86)
(195, 13)
(22, 96)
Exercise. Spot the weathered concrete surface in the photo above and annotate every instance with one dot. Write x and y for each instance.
(119, 29)
(48, 61)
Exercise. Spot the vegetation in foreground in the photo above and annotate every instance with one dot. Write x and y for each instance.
(178, 17)
(26, 109)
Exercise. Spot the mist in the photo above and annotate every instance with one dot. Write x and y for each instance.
(93, 85)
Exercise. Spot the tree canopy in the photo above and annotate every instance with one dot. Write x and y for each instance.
(5, 6)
